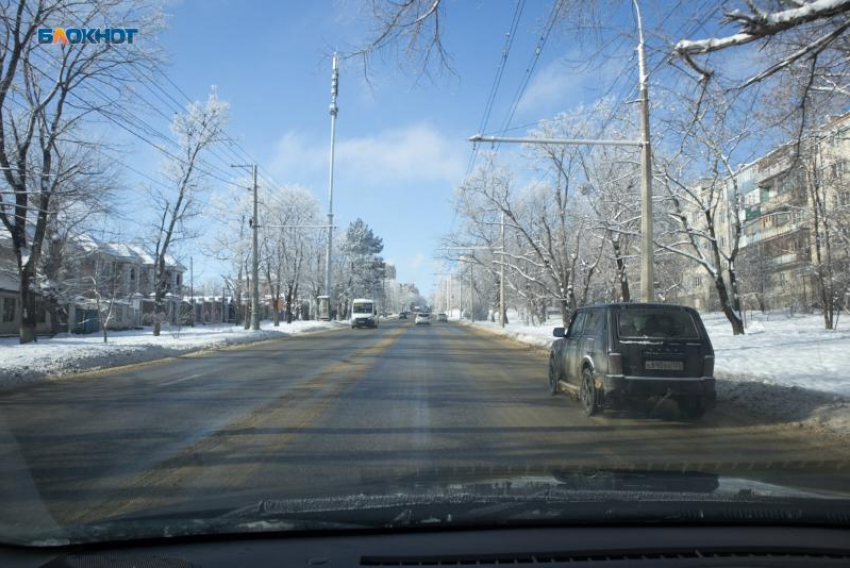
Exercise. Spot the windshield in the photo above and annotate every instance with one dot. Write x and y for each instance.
(224, 229)
(657, 323)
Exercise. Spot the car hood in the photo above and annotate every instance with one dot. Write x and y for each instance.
(556, 497)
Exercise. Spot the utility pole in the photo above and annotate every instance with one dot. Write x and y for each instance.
(255, 255)
(255, 260)
(192, 286)
(460, 293)
(647, 268)
(502, 310)
(449, 310)
(471, 294)
(329, 256)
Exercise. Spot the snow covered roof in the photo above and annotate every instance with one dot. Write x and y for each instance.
(125, 251)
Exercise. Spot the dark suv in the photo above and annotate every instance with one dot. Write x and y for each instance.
(613, 354)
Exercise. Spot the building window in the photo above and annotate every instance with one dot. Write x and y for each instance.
(782, 279)
(697, 281)
(9, 310)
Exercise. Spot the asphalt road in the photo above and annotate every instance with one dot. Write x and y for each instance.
(337, 410)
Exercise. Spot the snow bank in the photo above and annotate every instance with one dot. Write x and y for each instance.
(540, 336)
(782, 350)
(68, 353)
(787, 368)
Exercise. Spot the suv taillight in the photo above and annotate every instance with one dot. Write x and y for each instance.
(615, 364)
(708, 366)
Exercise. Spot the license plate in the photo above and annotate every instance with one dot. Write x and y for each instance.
(664, 365)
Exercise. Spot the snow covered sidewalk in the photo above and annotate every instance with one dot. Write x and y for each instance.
(68, 353)
(787, 368)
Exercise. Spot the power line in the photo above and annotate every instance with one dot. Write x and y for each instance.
(136, 121)
(529, 71)
(494, 89)
(509, 40)
(228, 138)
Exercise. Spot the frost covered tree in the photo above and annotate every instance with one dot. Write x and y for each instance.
(287, 244)
(702, 201)
(45, 102)
(797, 53)
(195, 131)
(543, 237)
(231, 245)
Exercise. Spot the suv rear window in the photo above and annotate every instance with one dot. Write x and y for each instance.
(654, 322)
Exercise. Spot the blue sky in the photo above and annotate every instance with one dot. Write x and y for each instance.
(401, 143)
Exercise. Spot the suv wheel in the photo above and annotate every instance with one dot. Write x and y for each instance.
(692, 408)
(587, 394)
(554, 377)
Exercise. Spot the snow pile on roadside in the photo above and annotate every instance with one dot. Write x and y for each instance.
(789, 368)
(540, 336)
(68, 353)
(789, 351)
(786, 368)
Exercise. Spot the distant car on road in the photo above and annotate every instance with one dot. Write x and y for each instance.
(614, 354)
(422, 318)
(442, 317)
(402, 315)
(363, 313)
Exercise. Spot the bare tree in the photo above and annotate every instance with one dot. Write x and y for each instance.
(827, 213)
(104, 282)
(286, 244)
(43, 91)
(85, 201)
(799, 48)
(702, 198)
(612, 195)
(196, 130)
(823, 24)
(411, 29)
(542, 250)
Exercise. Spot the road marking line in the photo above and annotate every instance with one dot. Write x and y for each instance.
(195, 376)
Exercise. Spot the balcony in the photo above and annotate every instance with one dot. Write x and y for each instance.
(780, 200)
(770, 232)
(782, 259)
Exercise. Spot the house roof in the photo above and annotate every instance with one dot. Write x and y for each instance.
(125, 251)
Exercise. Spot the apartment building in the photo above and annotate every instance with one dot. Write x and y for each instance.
(779, 217)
